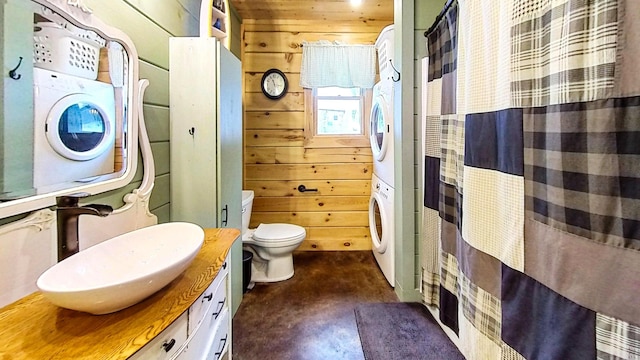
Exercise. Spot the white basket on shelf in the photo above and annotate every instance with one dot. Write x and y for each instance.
(67, 50)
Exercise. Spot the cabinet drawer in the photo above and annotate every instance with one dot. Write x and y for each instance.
(212, 300)
(167, 344)
(222, 338)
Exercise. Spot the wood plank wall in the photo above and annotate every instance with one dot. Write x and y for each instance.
(275, 160)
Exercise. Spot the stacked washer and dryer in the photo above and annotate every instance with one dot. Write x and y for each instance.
(381, 212)
(74, 114)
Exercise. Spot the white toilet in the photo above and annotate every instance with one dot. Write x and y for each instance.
(272, 245)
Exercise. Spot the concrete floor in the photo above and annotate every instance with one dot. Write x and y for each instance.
(310, 316)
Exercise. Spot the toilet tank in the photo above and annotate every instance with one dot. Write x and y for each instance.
(247, 204)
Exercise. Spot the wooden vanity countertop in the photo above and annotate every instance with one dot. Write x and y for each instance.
(33, 328)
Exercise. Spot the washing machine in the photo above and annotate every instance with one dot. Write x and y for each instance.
(74, 129)
(381, 225)
(381, 131)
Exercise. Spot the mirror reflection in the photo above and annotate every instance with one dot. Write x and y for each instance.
(65, 106)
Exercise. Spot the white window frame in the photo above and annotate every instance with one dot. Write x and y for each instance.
(314, 140)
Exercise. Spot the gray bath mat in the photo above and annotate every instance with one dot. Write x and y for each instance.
(402, 331)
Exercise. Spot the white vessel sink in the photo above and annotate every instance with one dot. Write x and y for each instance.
(124, 270)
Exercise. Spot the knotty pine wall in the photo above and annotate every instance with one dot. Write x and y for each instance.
(275, 160)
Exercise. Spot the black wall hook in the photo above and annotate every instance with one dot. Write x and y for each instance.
(13, 74)
(396, 72)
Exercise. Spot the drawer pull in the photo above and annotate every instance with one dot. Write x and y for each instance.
(208, 297)
(223, 342)
(220, 307)
(224, 265)
(168, 345)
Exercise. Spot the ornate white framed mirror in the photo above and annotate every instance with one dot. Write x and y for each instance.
(69, 107)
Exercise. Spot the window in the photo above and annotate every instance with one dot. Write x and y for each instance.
(337, 117)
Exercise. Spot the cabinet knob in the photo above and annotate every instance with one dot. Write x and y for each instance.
(169, 344)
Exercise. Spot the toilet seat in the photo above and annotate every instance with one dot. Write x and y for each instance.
(277, 234)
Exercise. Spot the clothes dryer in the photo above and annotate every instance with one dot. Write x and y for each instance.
(74, 129)
(385, 50)
(382, 227)
(381, 131)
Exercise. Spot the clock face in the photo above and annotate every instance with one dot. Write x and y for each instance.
(274, 84)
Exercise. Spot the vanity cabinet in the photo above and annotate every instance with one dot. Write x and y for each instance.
(202, 332)
(34, 328)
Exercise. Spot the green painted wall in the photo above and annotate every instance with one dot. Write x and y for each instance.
(425, 13)
(412, 18)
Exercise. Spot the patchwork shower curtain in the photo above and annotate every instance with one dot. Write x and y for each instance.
(531, 246)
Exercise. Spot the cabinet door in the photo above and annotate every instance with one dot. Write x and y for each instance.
(230, 139)
(230, 160)
(194, 117)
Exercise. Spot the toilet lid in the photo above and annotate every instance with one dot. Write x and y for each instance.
(278, 232)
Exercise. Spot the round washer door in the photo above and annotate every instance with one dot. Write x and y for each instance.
(379, 131)
(79, 128)
(377, 223)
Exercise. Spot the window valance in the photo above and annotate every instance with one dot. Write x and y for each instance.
(326, 63)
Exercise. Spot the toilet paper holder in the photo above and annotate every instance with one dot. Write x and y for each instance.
(303, 188)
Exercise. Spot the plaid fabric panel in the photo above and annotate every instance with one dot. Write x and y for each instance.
(430, 288)
(449, 272)
(450, 205)
(474, 344)
(582, 169)
(442, 44)
(452, 150)
(482, 309)
(563, 51)
(616, 339)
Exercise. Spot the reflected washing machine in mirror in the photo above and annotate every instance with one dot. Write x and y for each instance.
(74, 129)
(382, 226)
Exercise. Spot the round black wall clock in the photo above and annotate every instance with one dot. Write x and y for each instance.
(274, 84)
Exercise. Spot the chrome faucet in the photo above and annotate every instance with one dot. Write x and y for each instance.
(68, 211)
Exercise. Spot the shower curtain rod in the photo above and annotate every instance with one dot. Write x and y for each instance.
(439, 17)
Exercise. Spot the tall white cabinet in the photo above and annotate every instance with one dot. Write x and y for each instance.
(206, 140)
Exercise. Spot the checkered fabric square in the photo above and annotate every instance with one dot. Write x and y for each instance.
(432, 136)
(430, 249)
(508, 353)
(484, 52)
(481, 308)
(442, 44)
(498, 232)
(616, 339)
(582, 169)
(563, 51)
(434, 100)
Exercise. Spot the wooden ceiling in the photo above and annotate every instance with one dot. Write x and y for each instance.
(326, 10)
